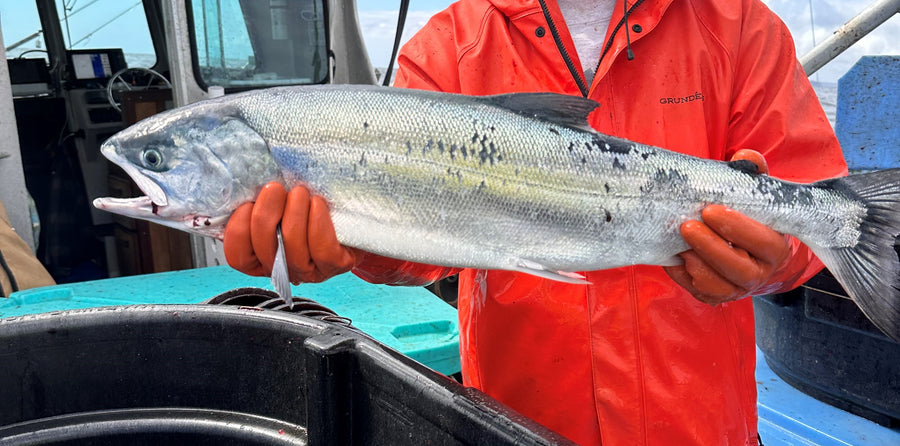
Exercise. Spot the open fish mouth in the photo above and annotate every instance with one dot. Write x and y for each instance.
(155, 206)
(146, 209)
(138, 207)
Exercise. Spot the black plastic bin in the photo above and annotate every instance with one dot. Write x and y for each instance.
(822, 344)
(198, 374)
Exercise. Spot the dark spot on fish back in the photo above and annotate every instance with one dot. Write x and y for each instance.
(786, 193)
(608, 216)
(614, 147)
(618, 164)
(670, 176)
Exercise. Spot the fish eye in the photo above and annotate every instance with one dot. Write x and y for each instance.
(152, 159)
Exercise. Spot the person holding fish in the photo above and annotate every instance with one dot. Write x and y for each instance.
(643, 354)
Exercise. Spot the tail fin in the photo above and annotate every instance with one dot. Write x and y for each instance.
(870, 271)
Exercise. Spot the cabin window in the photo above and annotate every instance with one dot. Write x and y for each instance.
(108, 24)
(22, 32)
(241, 44)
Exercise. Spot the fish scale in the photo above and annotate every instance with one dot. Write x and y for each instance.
(515, 182)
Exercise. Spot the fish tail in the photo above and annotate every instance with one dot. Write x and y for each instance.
(870, 271)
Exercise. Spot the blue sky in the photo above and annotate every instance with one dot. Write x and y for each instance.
(378, 20)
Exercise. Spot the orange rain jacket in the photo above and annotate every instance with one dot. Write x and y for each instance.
(632, 359)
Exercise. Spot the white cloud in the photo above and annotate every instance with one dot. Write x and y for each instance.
(828, 16)
(380, 27)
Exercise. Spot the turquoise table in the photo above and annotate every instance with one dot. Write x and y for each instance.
(410, 320)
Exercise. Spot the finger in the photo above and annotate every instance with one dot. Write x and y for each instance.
(711, 287)
(679, 275)
(267, 212)
(744, 232)
(329, 256)
(237, 246)
(762, 167)
(734, 264)
(294, 233)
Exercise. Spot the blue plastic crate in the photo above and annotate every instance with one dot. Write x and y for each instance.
(789, 417)
(409, 319)
(868, 110)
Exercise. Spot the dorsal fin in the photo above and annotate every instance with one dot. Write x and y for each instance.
(570, 111)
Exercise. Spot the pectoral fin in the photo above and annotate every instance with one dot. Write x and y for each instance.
(280, 279)
(536, 269)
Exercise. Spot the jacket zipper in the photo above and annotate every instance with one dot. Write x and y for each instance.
(609, 42)
(576, 73)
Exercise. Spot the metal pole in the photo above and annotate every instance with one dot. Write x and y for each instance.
(848, 34)
(23, 41)
(221, 34)
(812, 28)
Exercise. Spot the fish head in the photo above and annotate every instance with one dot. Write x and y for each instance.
(195, 165)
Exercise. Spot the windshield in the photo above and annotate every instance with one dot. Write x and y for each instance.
(249, 43)
(22, 31)
(108, 24)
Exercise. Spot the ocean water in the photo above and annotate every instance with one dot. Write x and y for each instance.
(827, 93)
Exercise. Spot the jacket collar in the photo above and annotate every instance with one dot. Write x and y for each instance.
(644, 13)
(512, 8)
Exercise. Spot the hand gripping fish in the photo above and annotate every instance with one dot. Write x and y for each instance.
(514, 182)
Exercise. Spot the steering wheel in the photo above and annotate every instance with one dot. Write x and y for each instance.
(118, 80)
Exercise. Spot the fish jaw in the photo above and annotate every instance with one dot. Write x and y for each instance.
(144, 208)
(156, 206)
